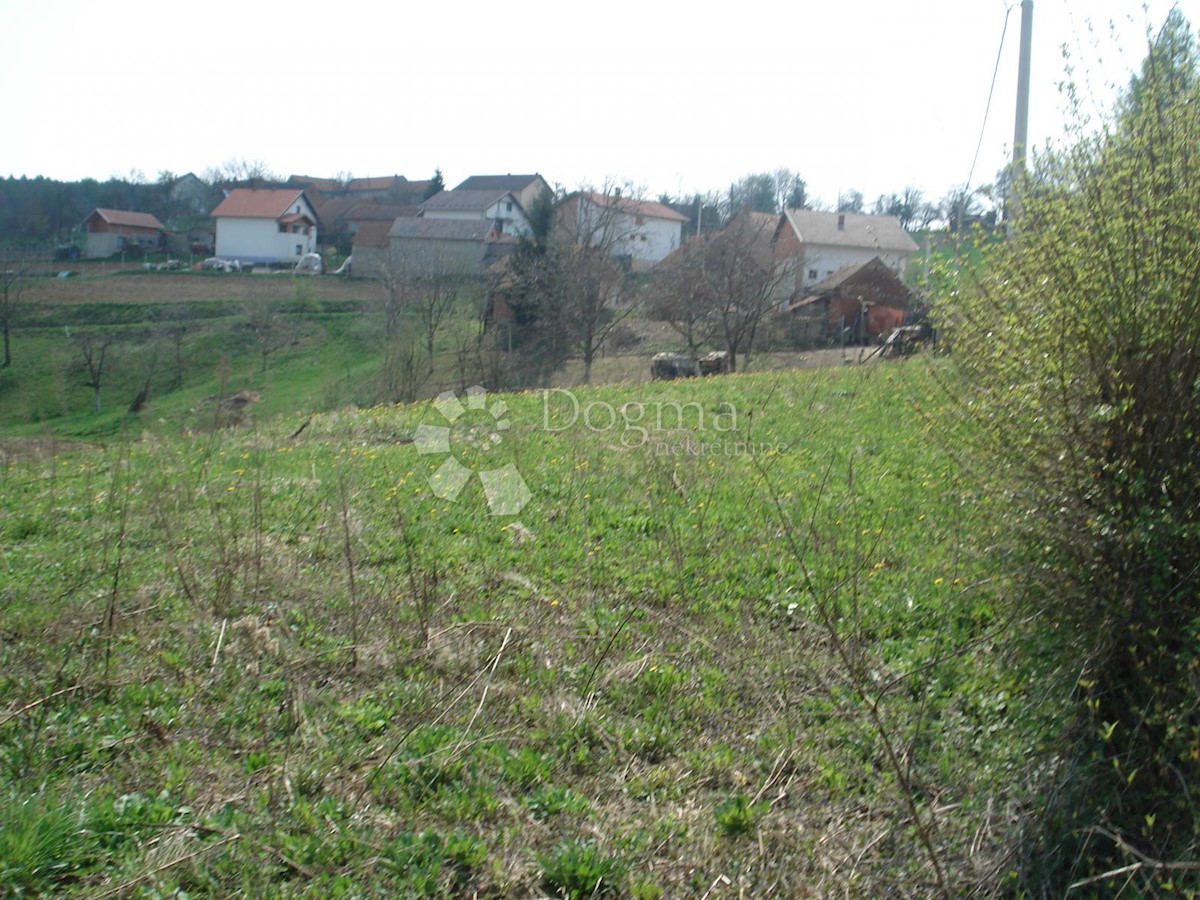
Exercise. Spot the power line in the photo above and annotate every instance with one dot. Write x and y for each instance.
(991, 92)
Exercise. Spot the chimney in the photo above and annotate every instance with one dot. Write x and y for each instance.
(841, 221)
(617, 193)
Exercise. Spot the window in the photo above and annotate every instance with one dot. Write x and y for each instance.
(282, 228)
(299, 249)
(812, 273)
(508, 207)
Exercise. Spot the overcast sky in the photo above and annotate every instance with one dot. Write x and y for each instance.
(675, 97)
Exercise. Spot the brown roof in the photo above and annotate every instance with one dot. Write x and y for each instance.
(876, 282)
(127, 218)
(372, 234)
(875, 232)
(382, 183)
(647, 208)
(257, 203)
(328, 185)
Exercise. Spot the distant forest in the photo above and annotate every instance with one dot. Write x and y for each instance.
(36, 212)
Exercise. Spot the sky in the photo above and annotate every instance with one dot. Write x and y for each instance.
(665, 96)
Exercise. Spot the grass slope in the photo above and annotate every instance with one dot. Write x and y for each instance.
(743, 649)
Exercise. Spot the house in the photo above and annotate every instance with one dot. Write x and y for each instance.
(815, 245)
(639, 232)
(190, 196)
(526, 188)
(861, 302)
(425, 247)
(265, 225)
(111, 231)
(385, 189)
(501, 208)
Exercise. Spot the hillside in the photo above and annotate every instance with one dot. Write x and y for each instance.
(724, 638)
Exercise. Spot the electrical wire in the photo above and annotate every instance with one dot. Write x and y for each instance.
(991, 92)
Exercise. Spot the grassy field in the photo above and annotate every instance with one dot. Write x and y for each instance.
(185, 341)
(708, 638)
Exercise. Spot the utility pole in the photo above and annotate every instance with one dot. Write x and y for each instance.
(1021, 130)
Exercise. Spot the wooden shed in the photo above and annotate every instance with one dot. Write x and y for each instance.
(858, 303)
(110, 231)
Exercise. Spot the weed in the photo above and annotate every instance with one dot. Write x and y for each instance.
(577, 869)
(737, 815)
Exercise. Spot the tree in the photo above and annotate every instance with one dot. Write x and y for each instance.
(678, 296)
(850, 202)
(960, 208)
(14, 274)
(437, 184)
(236, 172)
(567, 289)
(590, 235)
(718, 288)
(268, 327)
(909, 208)
(96, 358)
(1077, 343)
(754, 192)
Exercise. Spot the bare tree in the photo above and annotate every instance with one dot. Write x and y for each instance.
(718, 288)
(425, 287)
(96, 358)
(678, 295)
(593, 240)
(270, 330)
(14, 275)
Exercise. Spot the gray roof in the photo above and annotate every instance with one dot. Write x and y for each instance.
(465, 201)
(514, 183)
(441, 229)
(874, 232)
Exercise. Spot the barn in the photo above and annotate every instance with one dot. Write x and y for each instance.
(112, 231)
(859, 303)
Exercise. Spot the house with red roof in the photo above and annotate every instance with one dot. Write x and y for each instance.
(111, 231)
(265, 225)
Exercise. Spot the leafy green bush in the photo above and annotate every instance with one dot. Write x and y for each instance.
(1079, 341)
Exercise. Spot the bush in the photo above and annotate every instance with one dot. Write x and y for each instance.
(1079, 343)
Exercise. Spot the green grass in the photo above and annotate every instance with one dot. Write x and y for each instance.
(694, 654)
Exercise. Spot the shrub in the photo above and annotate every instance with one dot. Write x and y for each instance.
(1079, 342)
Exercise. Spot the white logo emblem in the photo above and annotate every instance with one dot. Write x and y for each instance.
(504, 487)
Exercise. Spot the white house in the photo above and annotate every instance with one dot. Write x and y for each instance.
(265, 225)
(501, 208)
(817, 244)
(525, 188)
(640, 231)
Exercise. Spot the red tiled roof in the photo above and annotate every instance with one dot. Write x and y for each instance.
(128, 218)
(257, 203)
